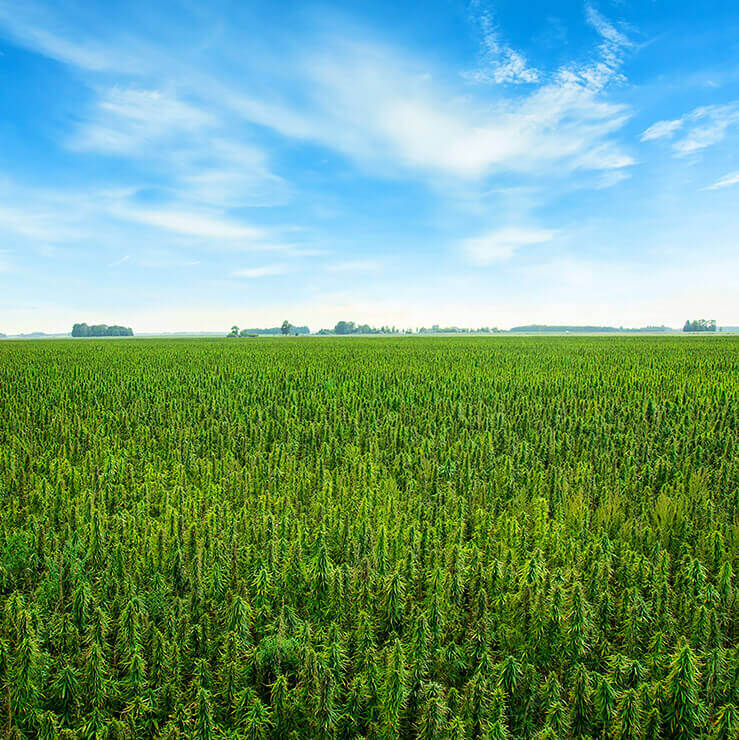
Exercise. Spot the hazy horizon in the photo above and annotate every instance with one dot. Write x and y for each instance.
(314, 330)
(172, 167)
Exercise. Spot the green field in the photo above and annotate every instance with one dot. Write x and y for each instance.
(380, 538)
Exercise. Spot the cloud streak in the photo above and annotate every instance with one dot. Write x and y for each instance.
(355, 266)
(128, 120)
(115, 219)
(502, 244)
(500, 63)
(120, 261)
(205, 225)
(701, 128)
(726, 181)
(260, 272)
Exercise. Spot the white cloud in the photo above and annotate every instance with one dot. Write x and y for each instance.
(187, 143)
(120, 261)
(502, 244)
(26, 25)
(661, 129)
(205, 225)
(263, 271)
(702, 127)
(604, 69)
(382, 108)
(33, 223)
(234, 188)
(611, 178)
(725, 182)
(607, 30)
(385, 109)
(228, 173)
(114, 220)
(612, 48)
(710, 126)
(500, 62)
(510, 67)
(354, 266)
(43, 217)
(125, 120)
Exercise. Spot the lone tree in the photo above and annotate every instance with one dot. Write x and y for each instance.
(285, 328)
(234, 331)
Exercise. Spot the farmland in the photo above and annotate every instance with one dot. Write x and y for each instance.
(417, 538)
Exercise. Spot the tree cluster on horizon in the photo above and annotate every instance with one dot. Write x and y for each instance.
(345, 328)
(700, 325)
(349, 327)
(101, 330)
(285, 329)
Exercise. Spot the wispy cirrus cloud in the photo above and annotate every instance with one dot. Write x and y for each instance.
(726, 181)
(613, 49)
(120, 261)
(186, 143)
(355, 266)
(37, 222)
(502, 244)
(129, 120)
(699, 129)
(710, 125)
(30, 26)
(398, 113)
(159, 109)
(661, 129)
(111, 218)
(564, 121)
(385, 109)
(261, 271)
(206, 225)
(499, 62)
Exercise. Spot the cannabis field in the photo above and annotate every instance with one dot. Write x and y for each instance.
(416, 538)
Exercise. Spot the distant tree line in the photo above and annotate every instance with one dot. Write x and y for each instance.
(436, 329)
(700, 325)
(285, 329)
(544, 328)
(345, 328)
(288, 328)
(101, 330)
(650, 329)
(349, 327)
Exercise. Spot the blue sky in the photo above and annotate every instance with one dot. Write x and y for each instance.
(187, 166)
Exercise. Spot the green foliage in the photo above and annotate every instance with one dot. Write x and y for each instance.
(700, 325)
(101, 330)
(451, 538)
(684, 708)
